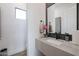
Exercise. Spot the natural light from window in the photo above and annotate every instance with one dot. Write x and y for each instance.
(20, 14)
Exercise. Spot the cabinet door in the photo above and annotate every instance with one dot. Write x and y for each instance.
(50, 50)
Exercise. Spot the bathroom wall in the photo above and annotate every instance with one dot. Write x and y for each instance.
(67, 12)
(36, 12)
(12, 29)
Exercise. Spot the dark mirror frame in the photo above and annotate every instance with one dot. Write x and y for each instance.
(77, 16)
(47, 6)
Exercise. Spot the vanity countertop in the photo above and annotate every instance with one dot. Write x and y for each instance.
(66, 46)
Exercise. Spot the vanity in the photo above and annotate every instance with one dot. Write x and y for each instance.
(52, 47)
(62, 34)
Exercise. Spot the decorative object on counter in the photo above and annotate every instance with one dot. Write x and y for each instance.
(41, 26)
(53, 35)
(65, 36)
(43, 29)
(68, 37)
(50, 27)
(58, 35)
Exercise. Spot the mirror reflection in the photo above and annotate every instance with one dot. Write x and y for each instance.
(62, 19)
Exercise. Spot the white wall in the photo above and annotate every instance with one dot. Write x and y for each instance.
(67, 12)
(12, 29)
(36, 12)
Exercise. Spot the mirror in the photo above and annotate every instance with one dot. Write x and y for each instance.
(62, 18)
(58, 25)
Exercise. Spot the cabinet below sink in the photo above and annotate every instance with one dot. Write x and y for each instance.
(49, 50)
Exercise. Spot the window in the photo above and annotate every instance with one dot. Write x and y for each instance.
(20, 14)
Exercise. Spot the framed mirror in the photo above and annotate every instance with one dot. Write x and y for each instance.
(62, 18)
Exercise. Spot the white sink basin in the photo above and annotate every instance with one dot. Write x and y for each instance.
(54, 41)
